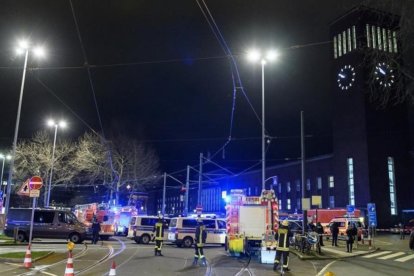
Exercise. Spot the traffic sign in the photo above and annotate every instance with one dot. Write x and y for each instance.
(372, 214)
(36, 183)
(34, 193)
(24, 189)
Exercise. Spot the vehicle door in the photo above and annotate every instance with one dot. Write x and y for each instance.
(222, 229)
(44, 224)
(166, 227)
(212, 231)
(64, 226)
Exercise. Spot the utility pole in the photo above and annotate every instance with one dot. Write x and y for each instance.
(164, 189)
(200, 179)
(187, 190)
(302, 149)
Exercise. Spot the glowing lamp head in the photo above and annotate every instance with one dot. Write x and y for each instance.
(39, 52)
(253, 55)
(62, 124)
(272, 55)
(50, 123)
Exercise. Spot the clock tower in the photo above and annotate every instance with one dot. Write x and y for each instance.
(370, 136)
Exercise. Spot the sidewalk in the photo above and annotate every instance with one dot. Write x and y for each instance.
(330, 252)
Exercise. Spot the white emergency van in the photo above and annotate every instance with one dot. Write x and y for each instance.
(141, 227)
(182, 231)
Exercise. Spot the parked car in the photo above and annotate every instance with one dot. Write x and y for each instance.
(47, 223)
(141, 227)
(343, 225)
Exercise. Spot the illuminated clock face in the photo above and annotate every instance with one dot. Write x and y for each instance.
(346, 77)
(384, 75)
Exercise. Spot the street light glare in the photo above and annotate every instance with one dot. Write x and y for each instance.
(23, 44)
(272, 55)
(39, 51)
(62, 124)
(253, 55)
(50, 123)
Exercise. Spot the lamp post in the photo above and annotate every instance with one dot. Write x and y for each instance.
(23, 48)
(255, 56)
(3, 157)
(55, 125)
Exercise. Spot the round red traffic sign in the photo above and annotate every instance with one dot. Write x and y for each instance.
(35, 183)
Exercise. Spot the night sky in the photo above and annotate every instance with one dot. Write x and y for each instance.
(160, 75)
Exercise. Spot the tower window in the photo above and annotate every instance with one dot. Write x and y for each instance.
(368, 34)
(288, 204)
(319, 179)
(344, 41)
(354, 36)
(390, 48)
(391, 181)
(298, 189)
(339, 45)
(280, 204)
(379, 38)
(308, 184)
(349, 40)
(384, 39)
(335, 42)
(331, 201)
(298, 203)
(394, 41)
(351, 184)
(374, 37)
(331, 181)
(288, 187)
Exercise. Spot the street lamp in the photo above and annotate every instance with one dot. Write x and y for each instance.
(24, 47)
(255, 56)
(3, 157)
(51, 123)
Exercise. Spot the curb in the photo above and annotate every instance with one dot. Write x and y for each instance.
(18, 260)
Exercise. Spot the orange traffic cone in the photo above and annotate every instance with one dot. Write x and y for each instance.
(69, 266)
(112, 271)
(28, 258)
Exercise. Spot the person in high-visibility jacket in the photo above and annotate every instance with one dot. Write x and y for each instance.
(282, 249)
(159, 236)
(200, 240)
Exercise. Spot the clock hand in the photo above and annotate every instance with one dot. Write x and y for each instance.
(382, 71)
(342, 76)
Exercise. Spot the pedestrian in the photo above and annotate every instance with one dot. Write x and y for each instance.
(402, 231)
(96, 228)
(282, 249)
(319, 230)
(311, 227)
(159, 236)
(200, 240)
(334, 231)
(411, 243)
(349, 237)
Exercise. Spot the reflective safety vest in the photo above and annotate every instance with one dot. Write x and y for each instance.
(201, 235)
(282, 237)
(159, 231)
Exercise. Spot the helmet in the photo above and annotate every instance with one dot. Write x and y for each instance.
(285, 223)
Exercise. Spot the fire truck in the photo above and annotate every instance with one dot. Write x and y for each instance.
(251, 223)
(104, 215)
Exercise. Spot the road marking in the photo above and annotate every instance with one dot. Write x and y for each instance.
(406, 258)
(391, 256)
(48, 273)
(376, 254)
(322, 272)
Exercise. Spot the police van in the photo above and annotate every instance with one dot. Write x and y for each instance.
(141, 227)
(182, 231)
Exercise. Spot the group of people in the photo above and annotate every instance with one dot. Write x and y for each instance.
(200, 240)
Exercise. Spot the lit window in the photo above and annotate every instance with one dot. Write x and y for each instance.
(288, 204)
(349, 40)
(379, 38)
(288, 187)
(368, 34)
(280, 204)
(385, 39)
(319, 179)
(344, 42)
(374, 37)
(331, 181)
(339, 45)
(335, 42)
(391, 181)
(354, 36)
(308, 184)
(298, 189)
(394, 41)
(351, 186)
(390, 48)
(331, 201)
